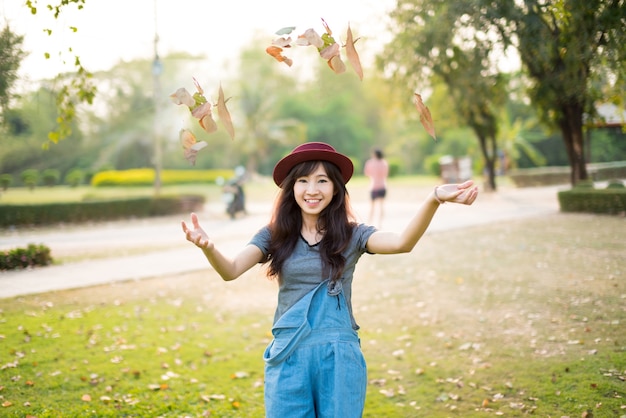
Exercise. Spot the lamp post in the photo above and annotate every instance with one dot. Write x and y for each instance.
(157, 70)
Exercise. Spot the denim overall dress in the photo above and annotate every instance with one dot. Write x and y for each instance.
(314, 366)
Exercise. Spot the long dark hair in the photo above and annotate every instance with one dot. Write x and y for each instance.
(335, 222)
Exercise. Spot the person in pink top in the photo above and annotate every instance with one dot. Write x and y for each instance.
(377, 169)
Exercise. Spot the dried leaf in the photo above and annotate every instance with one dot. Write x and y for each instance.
(224, 114)
(191, 146)
(353, 56)
(277, 53)
(310, 37)
(282, 42)
(337, 65)
(86, 398)
(425, 117)
(182, 96)
(328, 31)
(286, 30)
(330, 51)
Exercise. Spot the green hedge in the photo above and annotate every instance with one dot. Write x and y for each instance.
(21, 258)
(104, 210)
(611, 200)
(145, 177)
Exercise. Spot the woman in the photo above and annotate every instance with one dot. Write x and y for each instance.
(314, 366)
(377, 169)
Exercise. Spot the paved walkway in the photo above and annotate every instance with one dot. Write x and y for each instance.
(170, 254)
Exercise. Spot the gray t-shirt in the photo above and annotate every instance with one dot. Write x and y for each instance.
(302, 271)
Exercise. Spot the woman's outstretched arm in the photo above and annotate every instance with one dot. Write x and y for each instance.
(384, 242)
(228, 268)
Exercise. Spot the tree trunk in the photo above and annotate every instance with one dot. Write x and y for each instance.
(490, 160)
(572, 132)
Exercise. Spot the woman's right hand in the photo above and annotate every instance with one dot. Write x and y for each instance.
(197, 234)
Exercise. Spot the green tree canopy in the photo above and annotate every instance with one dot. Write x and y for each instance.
(11, 56)
(574, 53)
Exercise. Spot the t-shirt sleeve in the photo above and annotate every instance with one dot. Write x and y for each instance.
(262, 240)
(362, 234)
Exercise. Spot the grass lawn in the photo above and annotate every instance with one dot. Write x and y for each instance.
(509, 319)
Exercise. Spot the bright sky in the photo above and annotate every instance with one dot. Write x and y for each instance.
(113, 30)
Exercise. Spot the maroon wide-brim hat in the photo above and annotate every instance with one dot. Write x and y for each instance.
(312, 151)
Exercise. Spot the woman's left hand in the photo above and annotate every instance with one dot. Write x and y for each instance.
(464, 193)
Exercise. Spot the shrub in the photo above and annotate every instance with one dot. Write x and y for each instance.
(30, 178)
(611, 200)
(75, 177)
(97, 210)
(5, 181)
(145, 177)
(50, 177)
(395, 166)
(615, 184)
(21, 258)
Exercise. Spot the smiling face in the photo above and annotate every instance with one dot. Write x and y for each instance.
(314, 192)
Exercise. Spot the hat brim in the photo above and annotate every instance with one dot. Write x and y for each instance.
(284, 166)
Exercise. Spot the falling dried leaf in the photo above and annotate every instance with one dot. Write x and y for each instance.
(310, 37)
(353, 56)
(328, 31)
(337, 65)
(205, 117)
(286, 30)
(277, 53)
(330, 51)
(282, 42)
(425, 117)
(182, 96)
(191, 146)
(224, 114)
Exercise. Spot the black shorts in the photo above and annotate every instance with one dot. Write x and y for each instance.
(378, 194)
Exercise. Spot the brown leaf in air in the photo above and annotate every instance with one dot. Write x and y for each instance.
(282, 42)
(328, 31)
(224, 114)
(336, 64)
(353, 56)
(182, 96)
(310, 37)
(330, 51)
(205, 117)
(277, 53)
(425, 117)
(191, 146)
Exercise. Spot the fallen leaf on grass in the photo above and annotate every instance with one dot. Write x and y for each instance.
(86, 398)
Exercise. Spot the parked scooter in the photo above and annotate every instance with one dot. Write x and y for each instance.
(233, 195)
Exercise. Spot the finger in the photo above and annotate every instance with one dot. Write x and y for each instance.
(184, 225)
(194, 220)
(466, 185)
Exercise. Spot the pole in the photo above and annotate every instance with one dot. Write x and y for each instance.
(157, 69)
